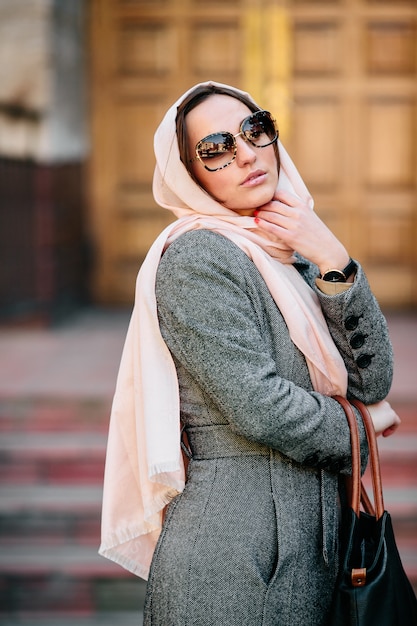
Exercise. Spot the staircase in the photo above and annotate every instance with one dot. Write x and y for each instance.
(51, 474)
(51, 468)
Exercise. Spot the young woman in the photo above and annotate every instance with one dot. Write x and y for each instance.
(249, 316)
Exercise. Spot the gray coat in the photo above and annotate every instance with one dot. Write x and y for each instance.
(252, 541)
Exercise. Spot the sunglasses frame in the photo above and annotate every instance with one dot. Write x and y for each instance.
(241, 133)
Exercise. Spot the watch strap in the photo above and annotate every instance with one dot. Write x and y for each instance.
(339, 276)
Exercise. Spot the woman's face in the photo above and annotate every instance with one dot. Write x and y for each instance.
(251, 180)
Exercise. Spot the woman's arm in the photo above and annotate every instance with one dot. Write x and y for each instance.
(355, 321)
(361, 335)
(206, 293)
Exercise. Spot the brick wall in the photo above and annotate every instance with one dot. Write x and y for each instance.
(43, 249)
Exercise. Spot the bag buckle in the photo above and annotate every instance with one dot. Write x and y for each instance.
(358, 577)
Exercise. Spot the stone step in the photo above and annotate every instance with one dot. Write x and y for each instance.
(47, 498)
(51, 470)
(67, 578)
(35, 558)
(408, 414)
(398, 461)
(399, 446)
(32, 559)
(42, 594)
(121, 618)
(82, 499)
(71, 579)
(54, 414)
(52, 529)
(30, 457)
(57, 457)
(50, 514)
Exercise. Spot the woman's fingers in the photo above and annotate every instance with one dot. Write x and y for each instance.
(384, 418)
(303, 231)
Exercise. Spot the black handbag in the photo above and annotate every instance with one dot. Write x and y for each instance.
(372, 588)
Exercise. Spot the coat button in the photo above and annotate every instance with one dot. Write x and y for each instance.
(352, 322)
(364, 360)
(357, 341)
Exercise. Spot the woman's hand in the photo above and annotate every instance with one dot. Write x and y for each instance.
(384, 418)
(292, 220)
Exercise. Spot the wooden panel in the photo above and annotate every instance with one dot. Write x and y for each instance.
(134, 229)
(147, 49)
(391, 47)
(134, 148)
(317, 142)
(215, 48)
(316, 2)
(219, 3)
(394, 286)
(394, 5)
(389, 138)
(143, 4)
(390, 236)
(325, 39)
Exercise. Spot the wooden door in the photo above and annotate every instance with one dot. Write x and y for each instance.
(354, 133)
(341, 78)
(145, 54)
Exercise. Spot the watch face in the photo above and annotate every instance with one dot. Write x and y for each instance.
(334, 276)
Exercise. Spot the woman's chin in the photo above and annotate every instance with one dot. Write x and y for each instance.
(245, 212)
(257, 201)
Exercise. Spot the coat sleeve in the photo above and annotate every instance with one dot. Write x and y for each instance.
(211, 325)
(361, 335)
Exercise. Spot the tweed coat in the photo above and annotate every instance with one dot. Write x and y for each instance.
(252, 540)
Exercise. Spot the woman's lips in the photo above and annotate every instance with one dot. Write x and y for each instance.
(254, 178)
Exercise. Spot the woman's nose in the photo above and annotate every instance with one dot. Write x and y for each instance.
(245, 152)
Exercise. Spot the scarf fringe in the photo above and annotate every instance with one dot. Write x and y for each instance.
(123, 545)
(131, 565)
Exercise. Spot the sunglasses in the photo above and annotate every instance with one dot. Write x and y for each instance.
(218, 150)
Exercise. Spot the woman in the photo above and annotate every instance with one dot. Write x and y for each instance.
(249, 316)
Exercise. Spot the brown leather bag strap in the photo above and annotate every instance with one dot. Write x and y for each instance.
(355, 479)
(358, 492)
(373, 458)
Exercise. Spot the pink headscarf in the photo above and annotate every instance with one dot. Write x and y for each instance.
(144, 466)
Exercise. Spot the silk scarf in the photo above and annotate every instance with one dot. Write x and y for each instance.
(144, 466)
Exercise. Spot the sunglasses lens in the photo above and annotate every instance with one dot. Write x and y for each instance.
(217, 150)
(260, 129)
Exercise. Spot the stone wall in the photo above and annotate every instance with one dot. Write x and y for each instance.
(43, 147)
(42, 80)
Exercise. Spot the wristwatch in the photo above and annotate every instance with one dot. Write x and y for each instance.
(339, 276)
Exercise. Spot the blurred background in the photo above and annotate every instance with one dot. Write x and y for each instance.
(83, 85)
